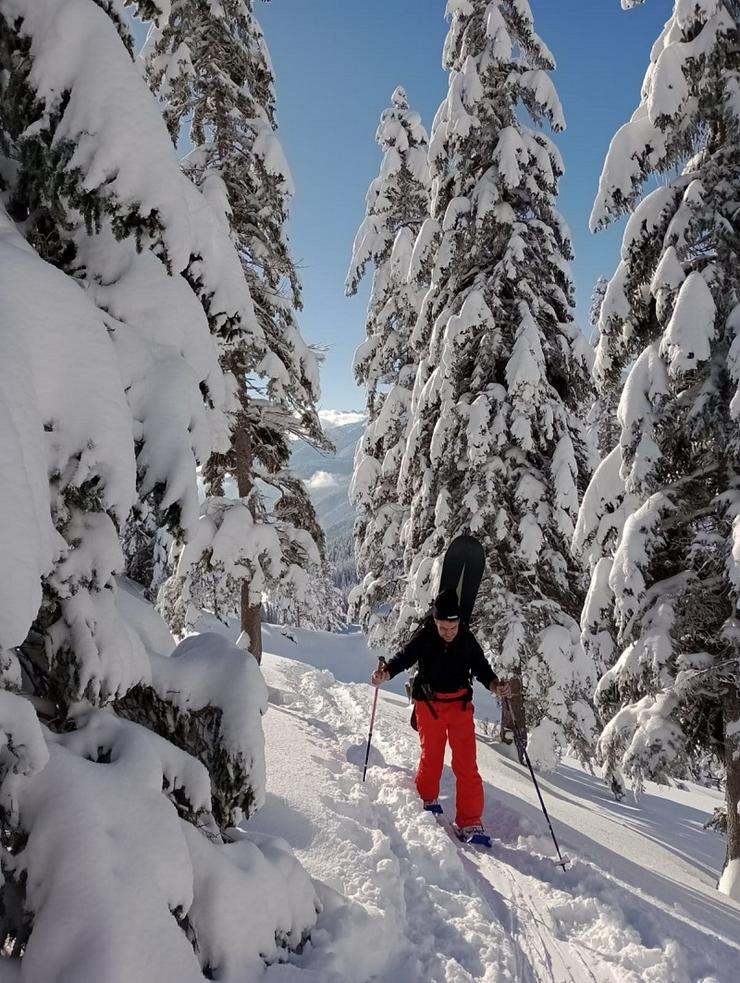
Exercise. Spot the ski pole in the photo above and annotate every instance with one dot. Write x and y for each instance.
(522, 747)
(381, 667)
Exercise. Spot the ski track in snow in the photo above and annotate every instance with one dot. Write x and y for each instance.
(447, 913)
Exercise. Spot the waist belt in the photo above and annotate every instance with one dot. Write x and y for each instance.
(459, 694)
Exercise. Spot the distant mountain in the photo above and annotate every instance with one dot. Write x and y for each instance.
(327, 476)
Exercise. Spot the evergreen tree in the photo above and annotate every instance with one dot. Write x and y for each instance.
(228, 547)
(210, 66)
(119, 754)
(341, 556)
(604, 510)
(160, 285)
(496, 447)
(597, 302)
(397, 205)
(602, 416)
(322, 607)
(671, 313)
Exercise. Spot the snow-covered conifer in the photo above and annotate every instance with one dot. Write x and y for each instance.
(123, 761)
(671, 313)
(497, 446)
(159, 270)
(229, 547)
(210, 65)
(594, 311)
(602, 415)
(385, 363)
(321, 606)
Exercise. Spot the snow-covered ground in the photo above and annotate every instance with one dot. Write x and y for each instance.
(638, 902)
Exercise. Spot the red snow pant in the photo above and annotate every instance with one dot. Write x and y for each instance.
(453, 722)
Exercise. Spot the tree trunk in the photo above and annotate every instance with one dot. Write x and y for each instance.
(732, 762)
(251, 623)
(251, 614)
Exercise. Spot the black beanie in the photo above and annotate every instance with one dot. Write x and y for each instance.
(446, 606)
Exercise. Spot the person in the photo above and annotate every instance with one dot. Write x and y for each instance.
(448, 655)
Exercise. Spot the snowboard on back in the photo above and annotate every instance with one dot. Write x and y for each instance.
(462, 571)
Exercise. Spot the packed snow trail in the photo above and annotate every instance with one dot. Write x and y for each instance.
(423, 909)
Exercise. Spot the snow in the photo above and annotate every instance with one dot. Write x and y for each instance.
(30, 543)
(670, 86)
(251, 898)
(638, 901)
(143, 863)
(669, 274)
(154, 634)
(22, 747)
(730, 881)
(84, 414)
(545, 97)
(604, 509)
(335, 880)
(109, 657)
(620, 179)
(72, 43)
(129, 837)
(687, 340)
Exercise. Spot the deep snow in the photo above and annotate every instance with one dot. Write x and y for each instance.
(638, 903)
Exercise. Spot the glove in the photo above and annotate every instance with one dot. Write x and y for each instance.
(501, 688)
(381, 674)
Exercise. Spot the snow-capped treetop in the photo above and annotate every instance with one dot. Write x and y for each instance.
(688, 110)
(142, 189)
(676, 93)
(210, 65)
(496, 446)
(385, 363)
(399, 194)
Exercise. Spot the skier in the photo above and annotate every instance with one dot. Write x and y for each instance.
(448, 655)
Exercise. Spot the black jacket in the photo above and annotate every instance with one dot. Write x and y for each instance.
(443, 667)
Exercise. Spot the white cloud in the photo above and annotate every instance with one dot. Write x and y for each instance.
(340, 418)
(321, 479)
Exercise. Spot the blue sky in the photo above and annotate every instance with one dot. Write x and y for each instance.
(337, 62)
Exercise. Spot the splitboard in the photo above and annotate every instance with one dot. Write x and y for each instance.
(462, 571)
(478, 839)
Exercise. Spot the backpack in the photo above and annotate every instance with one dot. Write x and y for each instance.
(414, 684)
